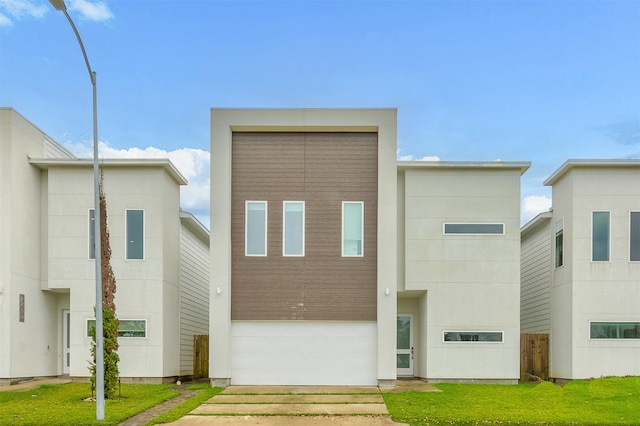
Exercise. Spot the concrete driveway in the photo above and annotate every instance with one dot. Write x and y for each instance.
(299, 405)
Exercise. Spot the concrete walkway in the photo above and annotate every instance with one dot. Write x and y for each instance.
(299, 406)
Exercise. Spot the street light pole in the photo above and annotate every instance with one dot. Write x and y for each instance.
(60, 5)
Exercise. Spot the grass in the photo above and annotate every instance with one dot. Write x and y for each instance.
(606, 401)
(183, 409)
(64, 405)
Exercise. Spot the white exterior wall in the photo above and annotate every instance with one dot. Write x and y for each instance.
(595, 291)
(146, 289)
(304, 353)
(28, 348)
(194, 291)
(537, 262)
(471, 281)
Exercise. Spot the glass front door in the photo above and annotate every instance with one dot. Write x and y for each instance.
(404, 354)
(66, 341)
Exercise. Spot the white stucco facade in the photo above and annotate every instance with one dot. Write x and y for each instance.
(461, 283)
(47, 294)
(584, 290)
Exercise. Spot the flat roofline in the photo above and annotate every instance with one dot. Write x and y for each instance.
(191, 222)
(523, 166)
(588, 163)
(46, 163)
(539, 218)
(251, 109)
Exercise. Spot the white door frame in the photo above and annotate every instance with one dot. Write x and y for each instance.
(66, 341)
(406, 351)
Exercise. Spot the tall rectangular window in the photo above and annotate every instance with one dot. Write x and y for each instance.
(352, 228)
(92, 234)
(293, 228)
(634, 236)
(600, 236)
(135, 234)
(559, 243)
(255, 235)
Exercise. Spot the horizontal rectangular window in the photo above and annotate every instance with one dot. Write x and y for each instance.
(614, 330)
(255, 232)
(474, 228)
(126, 328)
(352, 228)
(473, 336)
(293, 228)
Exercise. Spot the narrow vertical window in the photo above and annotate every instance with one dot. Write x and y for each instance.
(135, 234)
(92, 234)
(600, 236)
(352, 228)
(293, 228)
(634, 236)
(255, 235)
(559, 243)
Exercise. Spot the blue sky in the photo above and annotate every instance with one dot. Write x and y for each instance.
(539, 81)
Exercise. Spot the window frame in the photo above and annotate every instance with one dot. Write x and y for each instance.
(636, 323)
(631, 239)
(284, 228)
(342, 240)
(608, 259)
(445, 224)
(501, 332)
(559, 233)
(91, 255)
(246, 226)
(120, 321)
(126, 234)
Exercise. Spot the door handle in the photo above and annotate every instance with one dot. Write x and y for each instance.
(411, 352)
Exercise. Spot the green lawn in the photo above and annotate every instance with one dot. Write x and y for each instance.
(188, 405)
(64, 405)
(607, 401)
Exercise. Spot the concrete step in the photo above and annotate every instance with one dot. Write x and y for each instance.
(291, 409)
(296, 399)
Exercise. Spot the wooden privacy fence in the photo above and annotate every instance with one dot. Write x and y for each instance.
(200, 356)
(534, 357)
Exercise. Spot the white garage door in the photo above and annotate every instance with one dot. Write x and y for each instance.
(304, 353)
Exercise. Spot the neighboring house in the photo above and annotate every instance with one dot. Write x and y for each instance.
(459, 270)
(47, 288)
(581, 270)
(333, 264)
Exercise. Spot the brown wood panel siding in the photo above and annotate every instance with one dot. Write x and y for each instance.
(323, 170)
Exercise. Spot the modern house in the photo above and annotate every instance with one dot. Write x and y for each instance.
(335, 265)
(581, 270)
(160, 258)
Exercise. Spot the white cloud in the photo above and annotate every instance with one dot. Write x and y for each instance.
(4, 20)
(409, 157)
(93, 11)
(533, 205)
(193, 164)
(20, 8)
